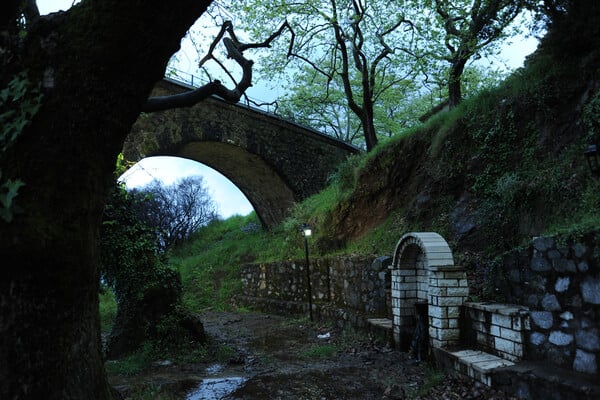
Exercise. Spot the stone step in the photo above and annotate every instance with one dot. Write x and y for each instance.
(476, 364)
(542, 380)
(383, 323)
(382, 329)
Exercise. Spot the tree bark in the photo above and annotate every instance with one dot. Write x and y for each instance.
(368, 125)
(454, 82)
(98, 63)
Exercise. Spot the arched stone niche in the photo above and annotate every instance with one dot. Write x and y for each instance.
(423, 270)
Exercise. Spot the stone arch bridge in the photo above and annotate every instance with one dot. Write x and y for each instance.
(274, 162)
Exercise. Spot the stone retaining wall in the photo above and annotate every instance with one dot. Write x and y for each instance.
(345, 288)
(559, 281)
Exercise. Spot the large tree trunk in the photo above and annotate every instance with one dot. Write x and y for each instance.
(454, 82)
(368, 115)
(369, 133)
(101, 60)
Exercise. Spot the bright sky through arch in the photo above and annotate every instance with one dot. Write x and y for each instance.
(228, 198)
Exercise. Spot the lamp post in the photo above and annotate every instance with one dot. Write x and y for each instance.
(591, 155)
(306, 232)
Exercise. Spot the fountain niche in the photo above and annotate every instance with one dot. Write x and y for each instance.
(426, 281)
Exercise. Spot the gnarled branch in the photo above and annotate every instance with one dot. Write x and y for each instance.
(235, 51)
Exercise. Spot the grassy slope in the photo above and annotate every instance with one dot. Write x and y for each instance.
(209, 262)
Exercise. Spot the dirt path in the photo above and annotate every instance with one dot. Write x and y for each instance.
(275, 358)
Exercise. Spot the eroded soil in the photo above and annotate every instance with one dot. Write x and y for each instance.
(281, 358)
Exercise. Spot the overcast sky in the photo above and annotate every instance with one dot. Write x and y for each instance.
(229, 199)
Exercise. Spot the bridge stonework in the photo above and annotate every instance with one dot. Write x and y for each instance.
(274, 162)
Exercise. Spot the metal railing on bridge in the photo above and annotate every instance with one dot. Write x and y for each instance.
(196, 81)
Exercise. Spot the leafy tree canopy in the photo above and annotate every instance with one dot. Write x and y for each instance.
(372, 67)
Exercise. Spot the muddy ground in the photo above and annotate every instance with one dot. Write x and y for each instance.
(273, 357)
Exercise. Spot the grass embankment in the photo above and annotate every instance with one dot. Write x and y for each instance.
(209, 262)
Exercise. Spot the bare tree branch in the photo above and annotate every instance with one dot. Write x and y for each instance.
(235, 50)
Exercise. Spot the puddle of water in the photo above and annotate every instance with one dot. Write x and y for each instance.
(215, 388)
(215, 369)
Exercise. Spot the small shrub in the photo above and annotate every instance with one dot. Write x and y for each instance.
(433, 377)
(320, 351)
(132, 364)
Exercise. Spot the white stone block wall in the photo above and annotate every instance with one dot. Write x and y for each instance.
(499, 328)
(448, 290)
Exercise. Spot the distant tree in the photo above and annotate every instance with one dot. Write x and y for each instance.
(376, 66)
(327, 111)
(311, 100)
(176, 211)
(458, 31)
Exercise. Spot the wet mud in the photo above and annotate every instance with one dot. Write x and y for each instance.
(281, 358)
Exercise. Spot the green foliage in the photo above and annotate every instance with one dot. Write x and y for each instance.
(171, 341)
(108, 310)
(585, 219)
(132, 364)
(345, 67)
(20, 101)
(397, 71)
(381, 239)
(591, 117)
(433, 377)
(320, 351)
(8, 191)
(146, 290)
(209, 262)
(122, 165)
(346, 173)
(131, 264)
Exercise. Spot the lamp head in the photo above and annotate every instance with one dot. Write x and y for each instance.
(306, 230)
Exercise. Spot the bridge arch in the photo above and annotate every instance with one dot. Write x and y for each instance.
(274, 162)
(264, 189)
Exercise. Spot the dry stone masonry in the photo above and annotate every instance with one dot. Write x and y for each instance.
(348, 289)
(558, 279)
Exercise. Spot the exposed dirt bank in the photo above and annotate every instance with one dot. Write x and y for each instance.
(281, 358)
